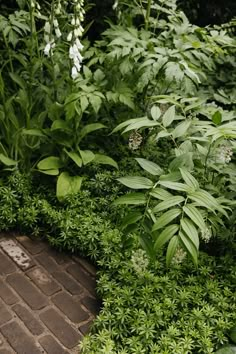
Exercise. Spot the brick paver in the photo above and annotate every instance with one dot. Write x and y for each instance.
(47, 299)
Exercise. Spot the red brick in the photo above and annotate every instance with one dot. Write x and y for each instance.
(29, 293)
(64, 332)
(93, 305)
(5, 315)
(68, 282)
(6, 265)
(70, 307)
(29, 320)
(42, 279)
(7, 294)
(33, 246)
(19, 340)
(82, 277)
(51, 346)
(47, 262)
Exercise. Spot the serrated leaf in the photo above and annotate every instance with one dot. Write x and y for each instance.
(131, 218)
(136, 182)
(175, 186)
(84, 102)
(50, 163)
(95, 101)
(168, 116)
(171, 249)
(155, 112)
(87, 156)
(150, 166)
(7, 161)
(89, 128)
(160, 193)
(166, 218)
(190, 230)
(189, 246)
(105, 160)
(75, 157)
(131, 198)
(181, 129)
(67, 185)
(166, 204)
(195, 215)
(189, 179)
(166, 235)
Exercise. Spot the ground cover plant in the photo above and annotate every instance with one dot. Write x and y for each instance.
(123, 150)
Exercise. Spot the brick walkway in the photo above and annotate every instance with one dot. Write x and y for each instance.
(47, 299)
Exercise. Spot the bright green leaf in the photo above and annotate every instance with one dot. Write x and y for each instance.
(168, 116)
(67, 185)
(131, 218)
(75, 157)
(190, 230)
(160, 193)
(189, 179)
(50, 163)
(166, 218)
(136, 182)
(175, 186)
(166, 235)
(195, 215)
(189, 246)
(87, 156)
(155, 112)
(171, 249)
(166, 204)
(7, 161)
(149, 166)
(105, 160)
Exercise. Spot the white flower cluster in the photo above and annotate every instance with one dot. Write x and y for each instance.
(179, 256)
(51, 28)
(139, 261)
(76, 47)
(206, 235)
(225, 154)
(135, 140)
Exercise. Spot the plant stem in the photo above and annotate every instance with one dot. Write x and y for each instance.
(148, 12)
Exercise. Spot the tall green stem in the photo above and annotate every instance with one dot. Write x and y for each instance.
(148, 13)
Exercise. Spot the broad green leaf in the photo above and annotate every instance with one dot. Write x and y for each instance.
(87, 156)
(67, 185)
(131, 218)
(143, 124)
(75, 157)
(205, 199)
(17, 79)
(228, 349)
(171, 249)
(136, 182)
(189, 246)
(53, 172)
(95, 101)
(166, 218)
(105, 160)
(60, 124)
(7, 161)
(160, 193)
(162, 134)
(174, 176)
(155, 112)
(195, 215)
(128, 122)
(190, 230)
(189, 179)
(181, 129)
(84, 102)
(175, 186)
(166, 204)
(149, 166)
(217, 118)
(89, 128)
(33, 132)
(131, 198)
(50, 163)
(166, 235)
(169, 116)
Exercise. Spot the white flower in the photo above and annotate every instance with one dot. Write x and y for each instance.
(58, 32)
(79, 44)
(225, 154)
(77, 32)
(46, 38)
(73, 21)
(47, 27)
(115, 5)
(38, 6)
(58, 9)
(179, 256)
(206, 235)
(74, 73)
(77, 65)
(139, 261)
(55, 22)
(69, 37)
(47, 49)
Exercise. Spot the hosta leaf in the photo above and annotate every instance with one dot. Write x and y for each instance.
(160, 193)
(149, 166)
(166, 218)
(190, 230)
(166, 204)
(105, 160)
(131, 218)
(189, 179)
(50, 163)
(7, 161)
(175, 186)
(89, 128)
(75, 157)
(136, 182)
(131, 198)
(87, 156)
(166, 235)
(171, 249)
(169, 116)
(195, 215)
(155, 112)
(67, 185)
(189, 246)
(54, 172)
